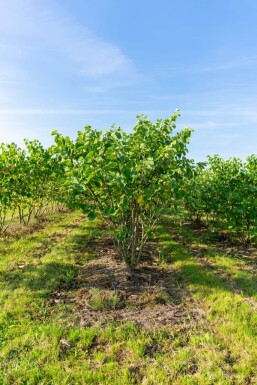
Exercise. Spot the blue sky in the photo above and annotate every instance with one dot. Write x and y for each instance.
(68, 63)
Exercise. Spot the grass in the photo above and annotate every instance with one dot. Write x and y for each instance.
(103, 299)
(229, 354)
(43, 343)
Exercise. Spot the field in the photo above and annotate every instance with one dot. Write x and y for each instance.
(71, 314)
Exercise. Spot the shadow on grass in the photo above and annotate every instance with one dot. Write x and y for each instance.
(67, 269)
(37, 233)
(52, 274)
(59, 265)
(181, 243)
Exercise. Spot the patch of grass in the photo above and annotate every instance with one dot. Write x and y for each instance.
(42, 342)
(103, 299)
(238, 271)
(164, 297)
(232, 322)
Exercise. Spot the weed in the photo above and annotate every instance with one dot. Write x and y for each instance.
(103, 299)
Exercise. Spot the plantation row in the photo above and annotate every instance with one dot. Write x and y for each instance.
(129, 179)
(29, 184)
(223, 193)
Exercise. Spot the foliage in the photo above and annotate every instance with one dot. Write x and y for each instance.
(226, 192)
(29, 183)
(12, 186)
(128, 178)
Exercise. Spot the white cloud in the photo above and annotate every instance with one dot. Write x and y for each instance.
(239, 62)
(49, 31)
(227, 111)
(47, 111)
(205, 67)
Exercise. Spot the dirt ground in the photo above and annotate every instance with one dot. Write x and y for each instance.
(151, 297)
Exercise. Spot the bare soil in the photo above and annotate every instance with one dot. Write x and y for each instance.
(150, 297)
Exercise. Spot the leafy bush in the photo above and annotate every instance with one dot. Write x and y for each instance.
(226, 192)
(127, 178)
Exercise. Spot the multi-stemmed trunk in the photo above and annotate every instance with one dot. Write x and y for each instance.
(136, 227)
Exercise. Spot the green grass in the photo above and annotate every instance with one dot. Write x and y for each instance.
(103, 299)
(42, 343)
(239, 272)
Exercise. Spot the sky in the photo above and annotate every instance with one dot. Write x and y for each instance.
(65, 64)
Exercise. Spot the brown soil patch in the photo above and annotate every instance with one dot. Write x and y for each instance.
(150, 297)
